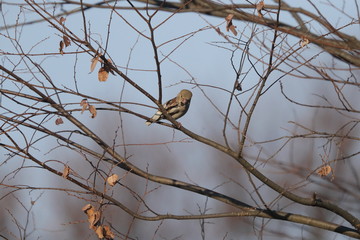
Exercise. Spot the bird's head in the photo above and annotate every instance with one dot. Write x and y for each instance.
(184, 96)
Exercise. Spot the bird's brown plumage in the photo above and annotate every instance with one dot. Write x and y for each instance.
(176, 107)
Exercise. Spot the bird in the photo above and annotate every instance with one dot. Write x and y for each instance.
(176, 107)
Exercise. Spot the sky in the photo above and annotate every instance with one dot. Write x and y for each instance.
(206, 57)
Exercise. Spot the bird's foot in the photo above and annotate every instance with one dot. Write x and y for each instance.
(177, 125)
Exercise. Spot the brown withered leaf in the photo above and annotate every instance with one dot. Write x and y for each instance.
(66, 41)
(92, 214)
(94, 61)
(94, 219)
(232, 29)
(229, 17)
(104, 232)
(84, 103)
(66, 171)
(61, 48)
(99, 232)
(62, 20)
(229, 24)
(108, 233)
(304, 41)
(324, 171)
(92, 110)
(88, 209)
(112, 179)
(260, 6)
(59, 121)
(103, 74)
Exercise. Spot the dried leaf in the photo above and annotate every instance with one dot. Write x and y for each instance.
(304, 41)
(94, 219)
(103, 74)
(93, 215)
(229, 24)
(94, 61)
(84, 103)
(112, 179)
(92, 110)
(66, 41)
(229, 17)
(61, 47)
(260, 6)
(324, 171)
(66, 171)
(99, 232)
(232, 29)
(108, 233)
(59, 121)
(88, 209)
(62, 20)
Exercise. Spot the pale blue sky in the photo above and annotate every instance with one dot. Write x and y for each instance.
(209, 65)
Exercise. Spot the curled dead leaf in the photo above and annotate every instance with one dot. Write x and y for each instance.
(93, 216)
(324, 170)
(94, 219)
(94, 61)
(229, 17)
(94, 223)
(99, 232)
(229, 24)
(92, 110)
(59, 121)
(84, 103)
(112, 179)
(104, 232)
(66, 171)
(304, 42)
(260, 6)
(88, 208)
(108, 233)
(62, 20)
(103, 74)
(66, 41)
(61, 48)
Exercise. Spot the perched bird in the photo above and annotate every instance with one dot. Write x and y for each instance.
(176, 107)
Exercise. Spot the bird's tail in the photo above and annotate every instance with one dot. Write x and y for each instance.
(154, 118)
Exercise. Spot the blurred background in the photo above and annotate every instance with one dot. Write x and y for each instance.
(298, 126)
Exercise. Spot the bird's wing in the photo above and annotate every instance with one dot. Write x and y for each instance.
(154, 118)
(172, 106)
